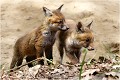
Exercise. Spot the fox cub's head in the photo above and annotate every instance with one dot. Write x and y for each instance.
(55, 19)
(84, 36)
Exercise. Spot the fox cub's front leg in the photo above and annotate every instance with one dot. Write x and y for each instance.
(61, 51)
(48, 54)
(73, 57)
(33, 57)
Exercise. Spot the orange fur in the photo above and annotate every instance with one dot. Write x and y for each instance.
(40, 39)
(74, 39)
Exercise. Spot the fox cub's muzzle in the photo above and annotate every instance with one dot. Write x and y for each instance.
(90, 47)
(63, 27)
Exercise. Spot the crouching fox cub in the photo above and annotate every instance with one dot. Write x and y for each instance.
(39, 40)
(74, 39)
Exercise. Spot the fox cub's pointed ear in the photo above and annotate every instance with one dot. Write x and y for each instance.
(89, 25)
(60, 7)
(47, 11)
(80, 27)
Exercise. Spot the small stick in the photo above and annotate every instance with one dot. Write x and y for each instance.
(28, 63)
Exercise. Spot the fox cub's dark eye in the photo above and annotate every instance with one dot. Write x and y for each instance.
(55, 22)
(87, 40)
(59, 21)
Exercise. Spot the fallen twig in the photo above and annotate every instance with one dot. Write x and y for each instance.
(28, 63)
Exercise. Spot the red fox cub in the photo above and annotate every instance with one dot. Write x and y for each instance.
(74, 39)
(39, 40)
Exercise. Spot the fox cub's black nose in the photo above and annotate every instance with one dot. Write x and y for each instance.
(90, 48)
(64, 27)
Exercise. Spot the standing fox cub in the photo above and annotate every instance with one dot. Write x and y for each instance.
(39, 40)
(74, 39)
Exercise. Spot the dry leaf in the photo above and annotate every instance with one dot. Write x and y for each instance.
(114, 74)
(34, 70)
(90, 72)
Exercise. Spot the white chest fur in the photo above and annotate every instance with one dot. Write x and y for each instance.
(49, 38)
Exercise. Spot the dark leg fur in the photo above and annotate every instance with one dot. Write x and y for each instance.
(48, 54)
(41, 55)
(72, 57)
(30, 58)
(16, 61)
(78, 53)
(61, 52)
(19, 61)
(13, 63)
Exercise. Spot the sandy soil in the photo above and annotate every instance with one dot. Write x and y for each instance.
(20, 16)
